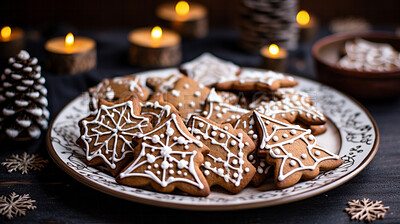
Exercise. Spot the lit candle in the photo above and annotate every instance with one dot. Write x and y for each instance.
(274, 58)
(70, 54)
(308, 26)
(189, 20)
(154, 47)
(11, 41)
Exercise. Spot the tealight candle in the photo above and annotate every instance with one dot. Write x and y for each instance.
(154, 47)
(274, 58)
(189, 20)
(70, 54)
(11, 41)
(308, 26)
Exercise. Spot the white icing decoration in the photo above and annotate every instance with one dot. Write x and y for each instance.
(231, 139)
(164, 151)
(267, 144)
(176, 93)
(192, 104)
(197, 94)
(124, 129)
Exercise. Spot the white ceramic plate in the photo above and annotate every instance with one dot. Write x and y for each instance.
(352, 133)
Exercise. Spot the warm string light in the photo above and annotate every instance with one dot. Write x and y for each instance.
(273, 49)
(5, 33)
(182, 8)
(69, 40)
(303, 18)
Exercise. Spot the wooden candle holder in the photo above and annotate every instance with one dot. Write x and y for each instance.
(192, 25)
(143, 52)
(275, 63)
(80, 58)
(13, 45)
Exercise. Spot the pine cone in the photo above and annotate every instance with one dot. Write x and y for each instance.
(23, 99)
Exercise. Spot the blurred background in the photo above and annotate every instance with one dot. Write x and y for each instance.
(96, 14)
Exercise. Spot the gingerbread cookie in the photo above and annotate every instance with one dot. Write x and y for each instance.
(168, 157)
(156, 108)
(209, 70)
(116, 88)
(247, 123)
(162, 85)
(257, 80)
(293, 105)
(216, 110)
(187, 96)
(226, 165)
(107, 135)
(293, 151)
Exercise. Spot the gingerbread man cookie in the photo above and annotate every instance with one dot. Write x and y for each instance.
(116, 88)
(107, 135)
(226, 165)
(217, 110)
(209, 70)
(293, 151)
(168, 157)
(257, 80)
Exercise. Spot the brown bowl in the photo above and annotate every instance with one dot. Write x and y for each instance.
(361, 84)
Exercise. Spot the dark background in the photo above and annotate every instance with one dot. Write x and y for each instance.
(91, 14)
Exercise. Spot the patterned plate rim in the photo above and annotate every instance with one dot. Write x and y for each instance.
(173, 201)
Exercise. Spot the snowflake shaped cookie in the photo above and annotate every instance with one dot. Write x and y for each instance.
(107, 136)
(168, 157)
(292, 150)
(219, 111)
(16, 205)
(366, 210)
(226, 164)
(209, 70)
(24, 163)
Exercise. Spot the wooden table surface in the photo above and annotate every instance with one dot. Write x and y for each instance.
(62, 199)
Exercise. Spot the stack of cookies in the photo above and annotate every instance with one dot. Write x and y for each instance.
(267, 22)
(214, 124)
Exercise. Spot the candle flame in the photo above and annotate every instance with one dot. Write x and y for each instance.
(5, 32)
(273, 49)
(182, 8)
(156, 33)
(303, 18)
(69, 40)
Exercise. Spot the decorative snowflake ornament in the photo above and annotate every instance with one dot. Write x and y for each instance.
(366, 210)
(15, 205)
(24, 163)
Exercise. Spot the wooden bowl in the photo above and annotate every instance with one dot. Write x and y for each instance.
(361, 84)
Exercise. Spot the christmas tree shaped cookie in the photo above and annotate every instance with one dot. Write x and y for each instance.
(226, 165)
(23, 99)
(107, 135)
(292, 150)
(168, 157)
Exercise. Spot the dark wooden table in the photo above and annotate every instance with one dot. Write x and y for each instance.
(62, 199)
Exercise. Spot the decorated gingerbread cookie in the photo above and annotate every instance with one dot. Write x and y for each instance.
(116, 88)
(209, 70)
(156, 108)
(107, 135)
(293, 106)
(187, 96)
(168, 157)
(217, 110)
(226, 165)
(257, 80)
(293, 151)
(263, 169)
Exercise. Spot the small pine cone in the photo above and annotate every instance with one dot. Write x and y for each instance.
(23, 99)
